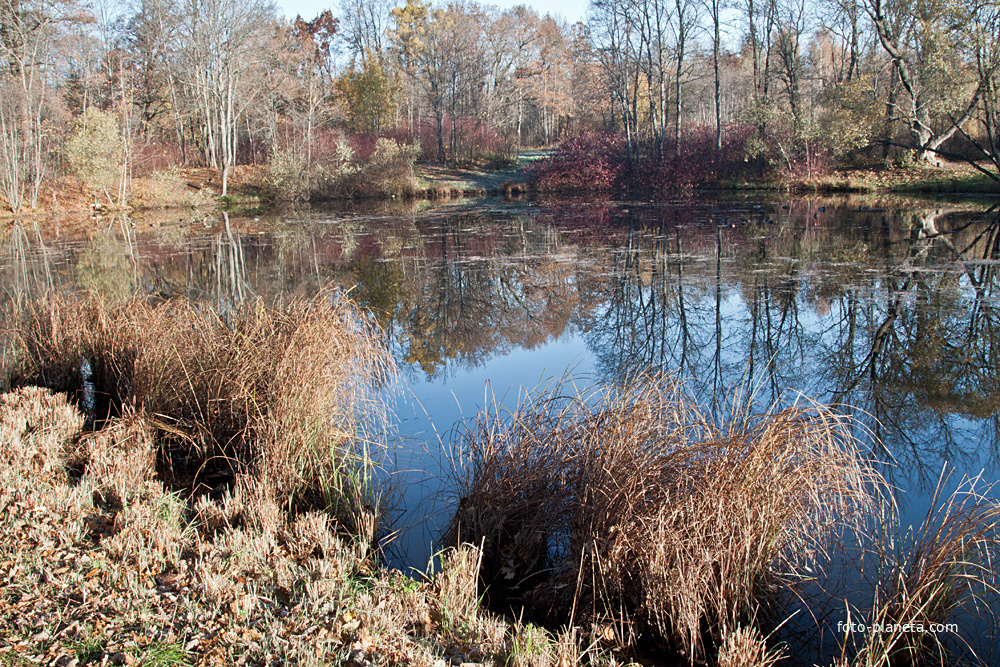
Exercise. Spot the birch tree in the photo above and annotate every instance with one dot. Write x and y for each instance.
(225, 39)
(617, 49)
(26, 35)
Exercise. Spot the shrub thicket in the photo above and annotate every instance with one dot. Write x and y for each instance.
(600, 162)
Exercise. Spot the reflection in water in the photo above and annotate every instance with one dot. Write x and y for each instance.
(891, 313)
(107, 265)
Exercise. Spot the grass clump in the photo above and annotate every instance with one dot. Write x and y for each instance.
(170, 189)
(162, 654)
(628, 510)
(277, 393)
(930, 579)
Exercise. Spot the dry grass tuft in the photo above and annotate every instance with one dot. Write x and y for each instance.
(280, 392)
(36, 429)
(456, 589)
(936, 575)
(117, 459)
(746, 647)
(630, 509)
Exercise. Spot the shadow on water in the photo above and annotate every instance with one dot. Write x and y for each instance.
(893, 312)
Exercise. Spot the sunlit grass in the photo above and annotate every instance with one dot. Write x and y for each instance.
(628, 506)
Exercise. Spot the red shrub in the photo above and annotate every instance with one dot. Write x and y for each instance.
(600, 162)
(695, 162)
(363, 146)
(595, 161)
(151, 155)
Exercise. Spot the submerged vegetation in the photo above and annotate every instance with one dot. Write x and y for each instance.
(211, 498)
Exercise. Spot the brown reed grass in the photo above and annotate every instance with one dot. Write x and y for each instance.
(629, 507)
(936, 575)
(278, 391)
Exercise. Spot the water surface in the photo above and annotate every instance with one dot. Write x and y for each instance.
(887, 308)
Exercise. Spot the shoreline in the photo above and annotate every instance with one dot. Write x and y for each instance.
(197, 189)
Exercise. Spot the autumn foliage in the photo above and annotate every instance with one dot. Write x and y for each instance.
(594, 161)
(600, 162)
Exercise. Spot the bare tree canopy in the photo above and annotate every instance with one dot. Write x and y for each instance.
(784, 87)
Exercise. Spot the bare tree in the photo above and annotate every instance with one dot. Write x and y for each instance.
(983, 22)
(791, 27)
(936, 98)
(686, 19)
(423, 51)
(26, 34)
(617, 47)
(714, 8)
(224, 40)
(365, 24)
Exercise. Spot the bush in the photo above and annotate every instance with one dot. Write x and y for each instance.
(344, 167)
(423, 136)
(292, 177)
(150, 156)
(94, 150)
(389, 169)
(695, 162)
(599, 162)
(587, 162)
(477, 144)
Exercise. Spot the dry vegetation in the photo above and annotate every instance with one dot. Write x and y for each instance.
(629, 512)
(218, 506)
(237, 580)
(277, 394)
(114, 549)
(171, 188)
(935, 574)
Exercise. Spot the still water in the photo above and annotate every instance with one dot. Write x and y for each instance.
(889, 308)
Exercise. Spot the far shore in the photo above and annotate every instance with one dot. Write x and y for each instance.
(200, 188)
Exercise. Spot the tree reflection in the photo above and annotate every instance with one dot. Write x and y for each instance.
(878, 317)
(891, 314)
(473, 289)
(925, 373)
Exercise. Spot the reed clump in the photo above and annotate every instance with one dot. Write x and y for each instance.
(629, 510)
(930, 579)
(280, 392)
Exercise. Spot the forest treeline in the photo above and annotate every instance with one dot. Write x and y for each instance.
(658, 92)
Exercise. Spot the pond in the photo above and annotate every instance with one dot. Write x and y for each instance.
(888, 308)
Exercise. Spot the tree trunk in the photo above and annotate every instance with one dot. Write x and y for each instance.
(715, 64)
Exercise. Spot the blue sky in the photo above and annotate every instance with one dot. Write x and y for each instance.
(568, 9)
